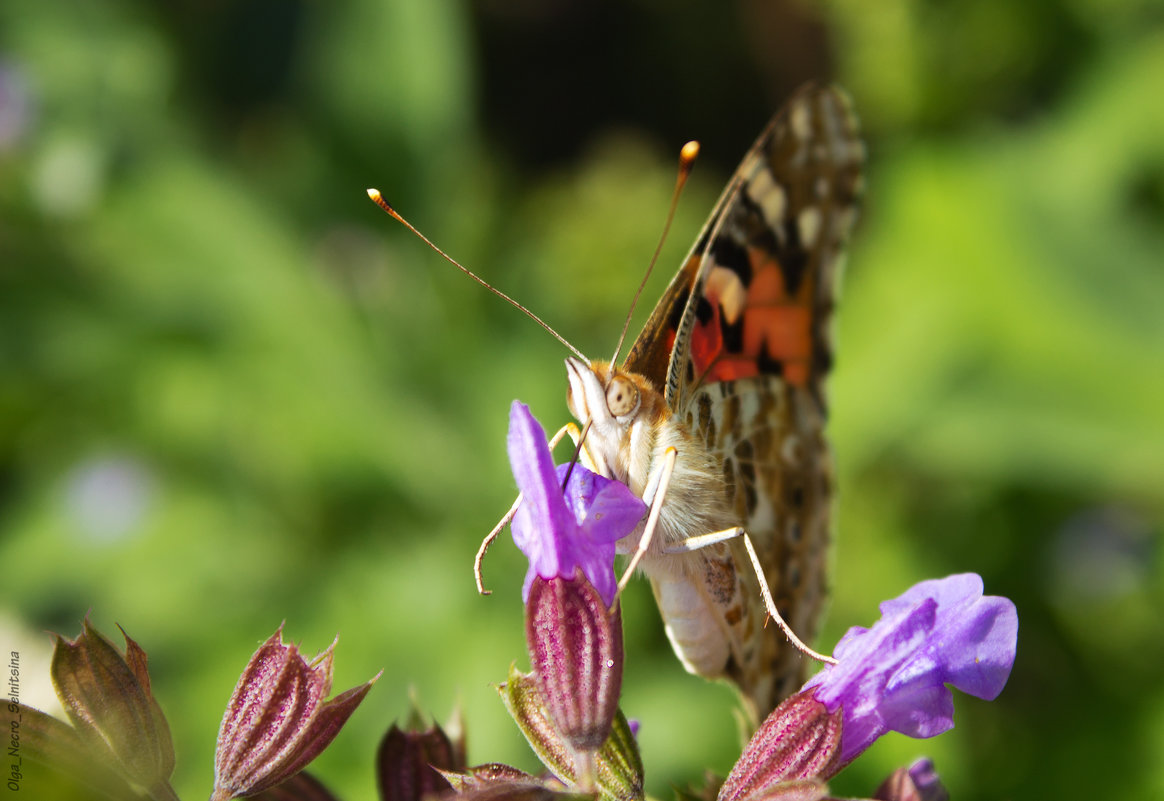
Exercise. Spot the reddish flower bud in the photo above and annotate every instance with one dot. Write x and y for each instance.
(409, 763)
(575, 646)
(798, 741)
(277, 721)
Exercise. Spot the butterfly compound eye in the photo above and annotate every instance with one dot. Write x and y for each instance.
(622, 397)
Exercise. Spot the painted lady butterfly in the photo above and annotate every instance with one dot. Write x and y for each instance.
(729, 370)
(721, 400)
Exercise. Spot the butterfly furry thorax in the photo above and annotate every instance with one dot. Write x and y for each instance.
(729, 370)
(626, 446)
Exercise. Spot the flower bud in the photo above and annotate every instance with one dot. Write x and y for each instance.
(409, 763)
(575, 646)
(107, 697)
(276, 720)
(799, 741)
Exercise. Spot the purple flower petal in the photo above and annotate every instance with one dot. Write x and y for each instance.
(560, 533)
(919, 782)
(615, 513)
(893, 676)
(543, 511)
(926, 780)
(606, 509)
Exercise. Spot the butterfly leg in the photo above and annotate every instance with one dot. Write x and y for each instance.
(576, 435)
(704, 540)
(485, 543)
(656, 490)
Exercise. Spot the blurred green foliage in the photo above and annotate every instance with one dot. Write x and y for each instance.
(233, 393)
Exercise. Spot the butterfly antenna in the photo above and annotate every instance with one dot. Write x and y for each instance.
(687, 158)
(379, 200)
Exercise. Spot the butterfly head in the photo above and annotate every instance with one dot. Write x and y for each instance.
(621, 408)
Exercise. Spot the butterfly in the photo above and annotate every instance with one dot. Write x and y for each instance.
(729, 371)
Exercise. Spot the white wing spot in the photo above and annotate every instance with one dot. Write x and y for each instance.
(727, 286)
(809, 223)
(769, 196)
(749, 408)
(800, 118)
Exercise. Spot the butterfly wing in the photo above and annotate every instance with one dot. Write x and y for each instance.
(740, 345)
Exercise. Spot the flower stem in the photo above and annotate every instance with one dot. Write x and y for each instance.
(586, 771)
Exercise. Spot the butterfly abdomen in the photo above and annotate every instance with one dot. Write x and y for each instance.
(691, 626)
(698, 592)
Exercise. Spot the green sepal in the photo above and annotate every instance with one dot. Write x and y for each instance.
(82, 772)
(619, 774)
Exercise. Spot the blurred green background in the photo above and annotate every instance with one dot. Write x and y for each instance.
(233, 392)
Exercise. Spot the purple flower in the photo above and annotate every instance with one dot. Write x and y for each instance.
(892, 677)
(562, 533)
